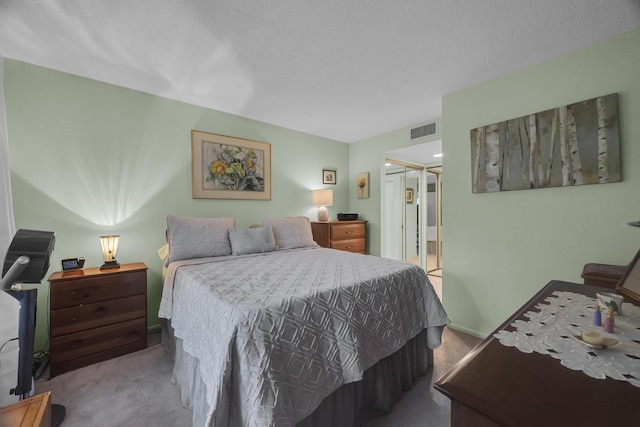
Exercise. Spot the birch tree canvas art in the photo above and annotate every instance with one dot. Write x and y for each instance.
(574, 144)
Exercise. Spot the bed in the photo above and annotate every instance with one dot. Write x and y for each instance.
(269, 329)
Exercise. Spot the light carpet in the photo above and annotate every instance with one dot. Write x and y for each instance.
(136, 390)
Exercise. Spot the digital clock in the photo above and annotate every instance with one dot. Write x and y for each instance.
(70, 264)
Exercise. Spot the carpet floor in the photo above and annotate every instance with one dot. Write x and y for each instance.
(136, 390)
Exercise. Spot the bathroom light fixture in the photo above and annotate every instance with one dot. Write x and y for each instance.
(322, 198)
(109, 249)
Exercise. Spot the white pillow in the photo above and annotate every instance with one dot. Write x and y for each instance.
(291, 232)
(198, 237)
(252, 240)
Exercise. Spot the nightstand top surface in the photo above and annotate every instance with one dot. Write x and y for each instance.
(95, 271)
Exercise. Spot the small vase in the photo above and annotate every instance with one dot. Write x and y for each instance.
(609, 324)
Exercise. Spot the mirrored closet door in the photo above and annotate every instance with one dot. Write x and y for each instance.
(403, 214)
(433, 233)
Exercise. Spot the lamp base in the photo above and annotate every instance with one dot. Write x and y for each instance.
(323, 214)
(110, 264)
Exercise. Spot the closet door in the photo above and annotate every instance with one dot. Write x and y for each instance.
(403, 216)
(433, 228)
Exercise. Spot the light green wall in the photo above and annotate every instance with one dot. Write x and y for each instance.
(500, 248)
(368, 156)
(85, 153)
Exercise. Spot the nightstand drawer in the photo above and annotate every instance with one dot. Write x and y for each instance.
(96, 340)
(89, 316)
(347, 231)
(94, 289)
(355, 245)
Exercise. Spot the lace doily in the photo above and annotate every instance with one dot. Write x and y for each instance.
(549, 331)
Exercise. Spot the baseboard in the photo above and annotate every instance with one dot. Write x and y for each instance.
(467, 331)
(152, 329)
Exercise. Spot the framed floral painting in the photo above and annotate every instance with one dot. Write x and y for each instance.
(362, 181)
(225, 167)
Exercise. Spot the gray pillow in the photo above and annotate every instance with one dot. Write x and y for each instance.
(252, 240)
(291, 232)
(198, 237)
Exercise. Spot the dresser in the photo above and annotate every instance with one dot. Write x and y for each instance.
(96, 315)
(495, 385)
(348, 236)
(32, 412)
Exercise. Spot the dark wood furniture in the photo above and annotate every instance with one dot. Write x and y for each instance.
(495, 385)
(32, 412)
(606, 275)
(348, 236)
(97, 315)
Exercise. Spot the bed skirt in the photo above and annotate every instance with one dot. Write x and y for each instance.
(382, 384)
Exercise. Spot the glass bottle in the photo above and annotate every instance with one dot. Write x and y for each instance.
(609, 322)
(597, 316)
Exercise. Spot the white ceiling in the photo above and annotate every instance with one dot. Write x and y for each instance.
(419, 154)
(342, 69)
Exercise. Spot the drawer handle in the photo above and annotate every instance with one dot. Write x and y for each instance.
(101, 308)
(349, 231)
(74, 319)
(74, 292)
(349, 247)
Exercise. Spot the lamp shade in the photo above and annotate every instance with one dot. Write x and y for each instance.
(322, 197)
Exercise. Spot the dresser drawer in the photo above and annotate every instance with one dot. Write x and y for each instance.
(347, 231)
(100, 288)
(96, 340)
(353, 245)
(89, 316)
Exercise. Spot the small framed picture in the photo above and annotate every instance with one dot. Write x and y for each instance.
(409, 196)
(328, 177)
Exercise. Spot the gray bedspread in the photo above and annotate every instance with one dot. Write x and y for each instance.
(276, 333)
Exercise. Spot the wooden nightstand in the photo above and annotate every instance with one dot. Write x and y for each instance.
(97, 315)
(32, 412)
(348, 236)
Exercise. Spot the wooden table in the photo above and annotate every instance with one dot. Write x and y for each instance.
(496, 385)
(34, 411)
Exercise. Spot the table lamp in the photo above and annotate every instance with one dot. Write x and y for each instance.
(322, 198)
(109, 249)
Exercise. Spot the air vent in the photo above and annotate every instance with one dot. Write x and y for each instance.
(424, 130)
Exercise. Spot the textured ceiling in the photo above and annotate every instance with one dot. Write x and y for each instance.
(342, 69)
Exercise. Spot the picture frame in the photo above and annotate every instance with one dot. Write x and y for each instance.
(226, 167)
(569, 145)
(409, 196)
(362, 184)
(629, 284)
(329, 177)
